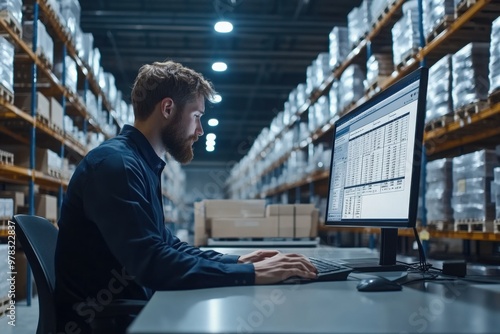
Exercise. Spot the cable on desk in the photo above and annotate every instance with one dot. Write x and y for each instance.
(436, 275)
(424, 266)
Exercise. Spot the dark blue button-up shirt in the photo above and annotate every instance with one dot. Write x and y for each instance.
(112, 235)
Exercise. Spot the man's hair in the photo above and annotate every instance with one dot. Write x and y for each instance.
(167, 79)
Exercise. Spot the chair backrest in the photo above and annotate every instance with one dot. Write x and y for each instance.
(38, 238)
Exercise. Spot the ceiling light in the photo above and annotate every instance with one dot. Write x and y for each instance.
(223, 27)
(219, 66)
(213, 122)
(211, 136)
(217, 98)
(210, 148)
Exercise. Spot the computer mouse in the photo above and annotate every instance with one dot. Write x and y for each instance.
(378, 284)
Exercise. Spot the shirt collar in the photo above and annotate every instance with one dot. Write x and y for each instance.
(144, 147)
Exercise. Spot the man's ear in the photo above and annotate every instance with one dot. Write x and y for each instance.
(167, 107)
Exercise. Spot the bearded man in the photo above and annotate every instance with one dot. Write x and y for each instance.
(112, 241)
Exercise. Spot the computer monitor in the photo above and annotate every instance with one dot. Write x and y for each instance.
(375, 167)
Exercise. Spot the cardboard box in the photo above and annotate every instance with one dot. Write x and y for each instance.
(285, 214)
(303, 226)
(46, 206)
(8, 208)
(16, 196)
(200, 231)
(314, 223)
(21, 282)
(4, 266)
(305, 214)
(45, 159)
(286, 226)
(42, 108)
(279, 209)
(245, 227)
(304, 209)
(56, 113)
(234, 208)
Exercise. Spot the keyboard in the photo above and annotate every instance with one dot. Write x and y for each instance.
(328, 270)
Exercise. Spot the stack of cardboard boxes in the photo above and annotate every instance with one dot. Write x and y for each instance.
(252, 219)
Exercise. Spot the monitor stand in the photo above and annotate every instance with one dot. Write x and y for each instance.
(387, 261)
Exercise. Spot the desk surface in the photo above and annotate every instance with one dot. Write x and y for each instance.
(325, 307)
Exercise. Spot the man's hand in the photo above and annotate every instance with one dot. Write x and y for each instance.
(282, 266)
(257, 256)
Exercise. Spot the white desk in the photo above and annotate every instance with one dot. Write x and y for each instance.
(325, 307)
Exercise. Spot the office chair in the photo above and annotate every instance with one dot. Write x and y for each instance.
(38, 238)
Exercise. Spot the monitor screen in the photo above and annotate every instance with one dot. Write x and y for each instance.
(376, 159)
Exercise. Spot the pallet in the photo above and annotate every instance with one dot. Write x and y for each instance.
(54, 18)
(470, 109)
(42, 119)
(409, 56)
(6, 95)
(463, 6)
(440, 225)
(12, 22)
(374, 86)
(45, 61)
(383, 14)
(69, 136)
(473, 226)
(4, 304)
(439, 122)
(359, 40)
(443, 24)
(41, 57)
(56, 129)
(494, 97)
(56, 173)
(6, 158)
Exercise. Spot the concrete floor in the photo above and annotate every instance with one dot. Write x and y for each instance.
(26, 319)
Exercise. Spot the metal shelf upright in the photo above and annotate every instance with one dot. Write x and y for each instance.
(423, 173)
(63, 105)
(31, 195)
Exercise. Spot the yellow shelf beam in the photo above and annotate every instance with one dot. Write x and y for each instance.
(9, 111)
(433, 234)
(439, 139)
(22, 174)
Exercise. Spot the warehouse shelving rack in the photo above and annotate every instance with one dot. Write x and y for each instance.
(26, 128)
(473, 23)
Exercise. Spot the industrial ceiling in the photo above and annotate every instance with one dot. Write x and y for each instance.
(267, 53)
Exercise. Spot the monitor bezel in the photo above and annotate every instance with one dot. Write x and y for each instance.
(422, 74)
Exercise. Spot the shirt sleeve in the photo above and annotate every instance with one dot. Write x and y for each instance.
(209, 254)
(126, 219)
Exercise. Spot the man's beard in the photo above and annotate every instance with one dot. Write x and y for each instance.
(176, 144)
